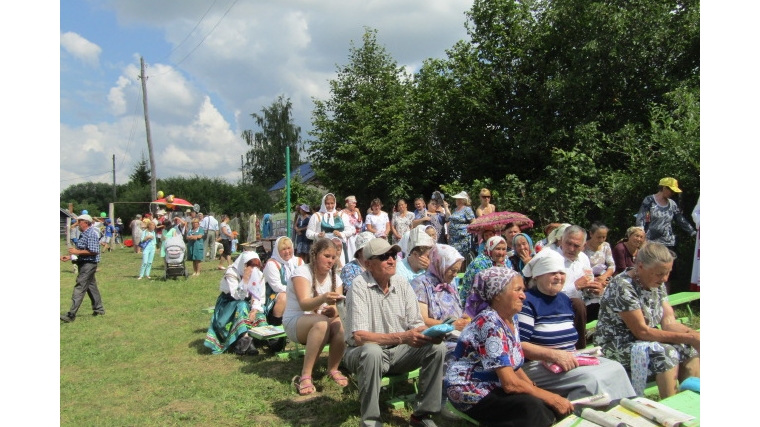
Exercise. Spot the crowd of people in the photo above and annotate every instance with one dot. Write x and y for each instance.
(373, 288)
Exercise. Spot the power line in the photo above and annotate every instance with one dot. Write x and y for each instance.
(209, 33)
(191, 31)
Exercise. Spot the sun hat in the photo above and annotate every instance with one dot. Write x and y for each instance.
(305, 208)
(378, 246)
(361, 241)
(84, 217)
(670, 183)
(461, 195)
(161, 212)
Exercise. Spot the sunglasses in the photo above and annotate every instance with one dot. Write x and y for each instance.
(385, 256)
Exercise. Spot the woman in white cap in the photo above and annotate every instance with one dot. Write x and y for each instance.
(416, 245)
(460, 218)
(355, 219)
(548, 339)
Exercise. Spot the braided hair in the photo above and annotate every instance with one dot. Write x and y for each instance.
(320, 245)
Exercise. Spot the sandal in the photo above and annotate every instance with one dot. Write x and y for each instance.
(303, 390)
(339, 378)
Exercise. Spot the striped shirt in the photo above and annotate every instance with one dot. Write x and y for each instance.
(369, 309)
(547, 320)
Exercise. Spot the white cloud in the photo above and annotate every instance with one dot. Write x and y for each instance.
(81, 48)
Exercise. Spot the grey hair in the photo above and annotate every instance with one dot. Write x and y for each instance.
(654, 253)
(574, 229)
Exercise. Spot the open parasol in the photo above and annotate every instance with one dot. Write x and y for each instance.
(175, 202)
(497, 220)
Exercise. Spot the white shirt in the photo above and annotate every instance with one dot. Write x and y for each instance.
(574, 271)
(292, 307)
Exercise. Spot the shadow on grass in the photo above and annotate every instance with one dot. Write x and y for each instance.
(313, 411)
(199, 347)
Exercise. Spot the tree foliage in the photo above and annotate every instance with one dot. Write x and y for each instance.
(141, 173)
(265, 161)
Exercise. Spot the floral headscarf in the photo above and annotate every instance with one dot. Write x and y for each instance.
(487, 284)
(491, 245)
(442, 257)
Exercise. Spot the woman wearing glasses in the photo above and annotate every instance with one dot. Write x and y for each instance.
(486, 206)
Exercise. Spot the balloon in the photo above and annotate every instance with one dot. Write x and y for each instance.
(103, 214)
(160, 194)
(169, 206)
(170, 198)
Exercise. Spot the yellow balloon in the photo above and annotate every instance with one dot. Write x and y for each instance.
(160, 194)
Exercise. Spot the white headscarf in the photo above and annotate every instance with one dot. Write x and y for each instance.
(231, 281)
(323, 209)
(549, 263)
(289, 265)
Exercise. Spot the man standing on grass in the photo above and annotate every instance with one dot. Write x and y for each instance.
(383, 329)
(86, 255)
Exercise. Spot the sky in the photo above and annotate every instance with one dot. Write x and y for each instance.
(210, 64)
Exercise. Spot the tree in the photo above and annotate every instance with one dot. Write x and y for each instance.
(141, 173)
(266, 160)
(364, 139)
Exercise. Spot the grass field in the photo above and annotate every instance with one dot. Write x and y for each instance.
(144, 362)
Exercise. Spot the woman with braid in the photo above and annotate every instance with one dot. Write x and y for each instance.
(311, 317)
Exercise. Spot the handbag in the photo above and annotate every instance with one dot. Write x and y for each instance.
(144, 244)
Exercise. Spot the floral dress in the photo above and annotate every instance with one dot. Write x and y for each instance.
(626, 294)
(485, 344)
(459, 237)
(402, 224)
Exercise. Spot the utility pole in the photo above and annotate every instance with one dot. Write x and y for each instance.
(113, 168)
(242, 168)
(143, 79)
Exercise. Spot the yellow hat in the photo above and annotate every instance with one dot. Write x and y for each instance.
(670, 183)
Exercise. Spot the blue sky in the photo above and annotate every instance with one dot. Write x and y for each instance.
(210, 64)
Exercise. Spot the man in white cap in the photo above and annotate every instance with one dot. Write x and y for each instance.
(86, 255)
(383, 329)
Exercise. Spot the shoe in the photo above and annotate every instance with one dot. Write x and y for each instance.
(147, 277)
(139, 278)
(98, 313)
(66, 318)
(303, 385)
(422, 422)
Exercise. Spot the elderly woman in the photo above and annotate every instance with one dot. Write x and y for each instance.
(494, 255)
(523, 252)
(437, 298)
(418, 244)
(624, 252)
(548, 336)
(485, 379)
(238, 307)
(460, 218)
(356, 266)
(632, 307)
(311, 317)
(329, 221)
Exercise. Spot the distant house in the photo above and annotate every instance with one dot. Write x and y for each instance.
(66, 217)
(306, 174)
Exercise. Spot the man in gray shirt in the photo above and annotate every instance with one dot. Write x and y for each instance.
(383, 328)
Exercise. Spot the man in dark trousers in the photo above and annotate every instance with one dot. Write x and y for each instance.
(86, 255)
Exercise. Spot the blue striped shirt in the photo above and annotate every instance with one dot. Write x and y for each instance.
(547, 320)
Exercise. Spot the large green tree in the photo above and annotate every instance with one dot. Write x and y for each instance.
(265, 161)
(364, 143)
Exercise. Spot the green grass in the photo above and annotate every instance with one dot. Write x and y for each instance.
(144, 362)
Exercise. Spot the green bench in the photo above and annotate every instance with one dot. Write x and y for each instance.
(389, 382)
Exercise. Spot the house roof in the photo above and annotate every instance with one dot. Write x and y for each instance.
(305, 171)
(67, 213)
